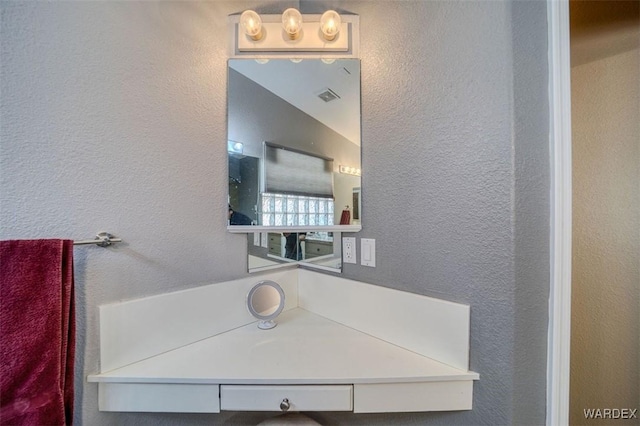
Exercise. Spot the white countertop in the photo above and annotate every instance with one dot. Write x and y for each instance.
(304, 348)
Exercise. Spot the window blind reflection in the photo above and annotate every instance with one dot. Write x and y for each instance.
(293, 172)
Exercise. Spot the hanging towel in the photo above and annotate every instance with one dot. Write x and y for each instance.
(37, 332)
(345, 218)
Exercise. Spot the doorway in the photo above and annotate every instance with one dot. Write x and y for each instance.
(605, 283)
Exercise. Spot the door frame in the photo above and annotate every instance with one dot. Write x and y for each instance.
(559, 334)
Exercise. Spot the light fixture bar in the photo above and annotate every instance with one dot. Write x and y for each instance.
(350, 170)
(273, 40)
(311, 42)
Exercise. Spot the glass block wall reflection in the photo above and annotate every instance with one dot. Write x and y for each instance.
(295, 210)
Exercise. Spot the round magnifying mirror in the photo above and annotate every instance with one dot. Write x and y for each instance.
(265, 302)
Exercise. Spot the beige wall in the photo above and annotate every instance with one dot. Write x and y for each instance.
(606, 234)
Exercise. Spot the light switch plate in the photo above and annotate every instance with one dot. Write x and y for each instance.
(368, 252)
(349, 250)
(256, 239)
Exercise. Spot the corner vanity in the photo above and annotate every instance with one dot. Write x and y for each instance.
(339, 345)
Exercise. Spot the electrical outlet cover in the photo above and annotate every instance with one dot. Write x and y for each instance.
(349, 250)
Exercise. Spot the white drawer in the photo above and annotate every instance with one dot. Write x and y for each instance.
(298, 398)
(159, 397)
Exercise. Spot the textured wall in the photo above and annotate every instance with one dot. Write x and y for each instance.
(605, 321)
(531, 211)
(113, 118)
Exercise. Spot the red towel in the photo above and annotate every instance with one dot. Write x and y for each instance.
(345, 218)
(37, 332)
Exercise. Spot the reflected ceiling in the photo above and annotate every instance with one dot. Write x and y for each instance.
(341, 114)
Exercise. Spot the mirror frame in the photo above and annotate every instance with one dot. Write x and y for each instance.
(266, 321)
(249, 229)
(352, 52)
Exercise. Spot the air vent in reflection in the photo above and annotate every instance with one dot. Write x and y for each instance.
(328, 95)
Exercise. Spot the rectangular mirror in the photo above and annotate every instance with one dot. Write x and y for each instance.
(272, 250)
(294, 145)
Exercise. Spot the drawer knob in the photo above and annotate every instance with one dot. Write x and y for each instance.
(285, 405)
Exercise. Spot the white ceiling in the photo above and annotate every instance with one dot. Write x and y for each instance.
(300, 83)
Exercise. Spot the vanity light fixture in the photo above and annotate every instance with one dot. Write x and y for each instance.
(292, 23)
(350, 170)
(330, 24)
(252, 24)
(327, 35)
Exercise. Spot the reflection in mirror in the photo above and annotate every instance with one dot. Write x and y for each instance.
(265, 301)
(294, 142)
(318, 250)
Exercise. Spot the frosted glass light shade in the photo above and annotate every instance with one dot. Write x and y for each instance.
(251, 24)
(292, 23)
(330, 23)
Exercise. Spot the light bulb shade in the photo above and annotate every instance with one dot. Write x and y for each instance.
(330, 23)
(251, 24)
(292, 23)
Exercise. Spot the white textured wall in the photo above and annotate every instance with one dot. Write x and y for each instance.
(605, 343)
(113, 118)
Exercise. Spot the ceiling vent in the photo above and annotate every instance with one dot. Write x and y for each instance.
(328, 95)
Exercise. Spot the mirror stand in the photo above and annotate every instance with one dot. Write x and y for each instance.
(266, 325)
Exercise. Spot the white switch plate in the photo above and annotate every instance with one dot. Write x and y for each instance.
(368, 252)
(256, 239)
(349, 250)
